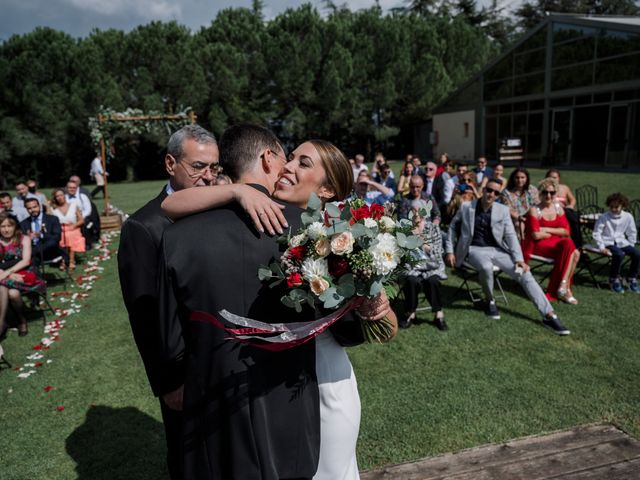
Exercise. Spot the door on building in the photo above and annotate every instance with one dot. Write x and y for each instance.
(618, 135)
(561, 130)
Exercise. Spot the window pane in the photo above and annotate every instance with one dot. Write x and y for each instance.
(502, 69)
(618, 69)
(496, 90)
(529, 84)
(572, 77)
(534, 137)
(563, 32)
(613, 42)
(574, 52)
(530, 61)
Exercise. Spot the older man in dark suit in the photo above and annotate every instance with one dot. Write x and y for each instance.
(191, 161)
(45, 232)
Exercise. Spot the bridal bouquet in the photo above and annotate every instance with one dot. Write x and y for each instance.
(344, 252)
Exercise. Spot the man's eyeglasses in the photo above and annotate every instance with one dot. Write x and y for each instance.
(491, 190)
(198, 169)
(549, 192)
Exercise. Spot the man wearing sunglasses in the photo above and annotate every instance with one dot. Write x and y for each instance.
(487, 238)
(191, 161)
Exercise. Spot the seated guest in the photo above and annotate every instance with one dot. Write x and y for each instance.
(359, 165)
(482, 170)
(519, 196)
(78, 181)
(615, 234)
(371, 192)
(6, 203)
(442, 159)
(416, 192)
(90, 229)
(378, 165)
(427, 273)
(22, 193)
(32, 185)
(486, 238)
(567, 200)
(19, 278)
(498, 172)
(385, 177)
(461, 169)
(548, 235)
(45, 233)
(405, 176)
(74, 195)
(71, 220)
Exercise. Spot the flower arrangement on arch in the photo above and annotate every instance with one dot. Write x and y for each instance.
(343, 252)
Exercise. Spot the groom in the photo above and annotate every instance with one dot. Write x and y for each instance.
(249, 413)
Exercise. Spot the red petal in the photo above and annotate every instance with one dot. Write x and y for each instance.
(48, 388)
(60, 408)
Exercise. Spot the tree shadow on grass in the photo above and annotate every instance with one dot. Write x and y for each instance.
(118, 443)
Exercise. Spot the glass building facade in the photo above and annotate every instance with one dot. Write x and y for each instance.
(569, 89)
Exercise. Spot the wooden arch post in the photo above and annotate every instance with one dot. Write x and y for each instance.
(117, 117)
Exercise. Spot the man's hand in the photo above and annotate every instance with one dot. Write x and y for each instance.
(451, 260)
(605, 251)
(173, 400)
(523, 266)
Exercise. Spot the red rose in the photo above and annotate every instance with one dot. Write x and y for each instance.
(360, 213)
(294, 280)
(338, 266)
(297, 253)
(377, 211)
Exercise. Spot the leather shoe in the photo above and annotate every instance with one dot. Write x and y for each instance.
(440, 324)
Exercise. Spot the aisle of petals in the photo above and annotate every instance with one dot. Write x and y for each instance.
(66, 303)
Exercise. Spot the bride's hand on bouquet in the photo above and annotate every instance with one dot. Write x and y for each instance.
(264, 212)
(374, 308)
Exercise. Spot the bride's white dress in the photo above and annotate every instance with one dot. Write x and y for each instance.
(339, 411)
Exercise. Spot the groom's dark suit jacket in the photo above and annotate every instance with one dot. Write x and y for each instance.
(249, 413)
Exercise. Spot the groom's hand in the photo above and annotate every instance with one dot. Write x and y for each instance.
(173, 400)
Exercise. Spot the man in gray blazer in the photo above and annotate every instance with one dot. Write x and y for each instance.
(486, 237)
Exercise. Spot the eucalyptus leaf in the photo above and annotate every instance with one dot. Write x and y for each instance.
(337, 227)
(314, 202)
(375, 289)
(412, 242)
(402, 239)
(332, 210)
(264, 273)
(346, 213)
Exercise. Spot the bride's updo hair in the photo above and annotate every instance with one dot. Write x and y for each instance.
(337, 167)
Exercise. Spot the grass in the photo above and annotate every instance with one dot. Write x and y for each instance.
(425, 393)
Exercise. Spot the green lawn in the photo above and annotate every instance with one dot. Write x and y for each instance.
(425, 393)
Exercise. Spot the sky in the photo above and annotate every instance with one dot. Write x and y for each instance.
(80, 17)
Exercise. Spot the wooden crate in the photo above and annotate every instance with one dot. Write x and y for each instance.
(110, 222)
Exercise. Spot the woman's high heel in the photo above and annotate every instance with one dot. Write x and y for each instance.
(565, 295)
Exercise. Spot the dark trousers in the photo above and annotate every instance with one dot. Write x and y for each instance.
(574, 225)
(617, 255)
(431, 289)
(38, 254)
(98, 189)
(172, 420)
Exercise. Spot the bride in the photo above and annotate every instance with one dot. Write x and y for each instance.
(316, 166)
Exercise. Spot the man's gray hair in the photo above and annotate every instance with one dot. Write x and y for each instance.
(188, 132)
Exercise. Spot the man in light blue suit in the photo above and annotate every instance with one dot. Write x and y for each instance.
(486, 238)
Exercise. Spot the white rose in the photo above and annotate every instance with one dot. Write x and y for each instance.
(387, 224)
(314, 267)
(297, 240)
(316, 230)
(318, 285)
(342, 243)
(322, 247)
(385, 253)
(370, 223)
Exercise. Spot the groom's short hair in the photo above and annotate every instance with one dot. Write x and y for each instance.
(240, 146)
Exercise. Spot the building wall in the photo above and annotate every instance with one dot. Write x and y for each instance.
(455, 134)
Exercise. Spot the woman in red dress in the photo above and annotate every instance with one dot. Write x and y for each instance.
(548, 235)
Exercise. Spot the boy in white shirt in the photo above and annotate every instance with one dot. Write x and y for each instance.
(615, 234)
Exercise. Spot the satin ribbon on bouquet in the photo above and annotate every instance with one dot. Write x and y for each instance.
(272, 336)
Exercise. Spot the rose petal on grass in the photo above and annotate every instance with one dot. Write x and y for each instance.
(48, 388)
(60, 408)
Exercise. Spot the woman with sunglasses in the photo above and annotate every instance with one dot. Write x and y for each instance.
(548, 235)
